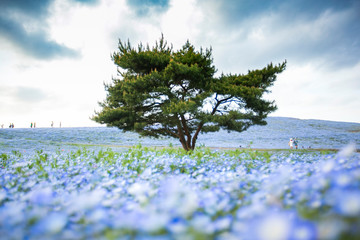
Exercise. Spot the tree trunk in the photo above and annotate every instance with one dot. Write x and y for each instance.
(186, 132)
(184, 145)
(196, 135)
(182, 137)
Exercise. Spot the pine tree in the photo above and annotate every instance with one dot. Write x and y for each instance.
(162, 92)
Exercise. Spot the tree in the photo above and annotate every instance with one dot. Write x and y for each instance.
(162, 92)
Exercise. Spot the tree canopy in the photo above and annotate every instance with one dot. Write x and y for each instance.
(162, 92)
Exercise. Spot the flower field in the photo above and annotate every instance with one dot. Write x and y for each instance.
(276, 134)
(165, 193)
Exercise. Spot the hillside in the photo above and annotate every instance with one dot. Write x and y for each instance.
(276, 134)
(278, 131)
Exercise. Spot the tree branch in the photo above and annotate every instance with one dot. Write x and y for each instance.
(171, 133)
(219, 102)
(201, 124)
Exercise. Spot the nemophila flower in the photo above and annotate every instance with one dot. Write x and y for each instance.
(319, 182)
(275, 183)
(316, 200)
(146, 174)
(3, 195)
(347, 203)
(330, 228)
(347, 151)
(209, 201)
(176, 197)
(303, 230)
(12, 213)
(86, 200)
(274, 225)
(247, 212)
(41, 196)
(51, 224)
(343, 179)
(96, 215)
(223, 223)
(94, 230)
(356, 173)
(177, 225)
(153, 221)
(141, 191)
(328, 166)
(202, 223)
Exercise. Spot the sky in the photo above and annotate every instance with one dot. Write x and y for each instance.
(55, 55)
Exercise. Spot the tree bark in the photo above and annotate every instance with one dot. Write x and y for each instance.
(182, 137)
(186, 130)
(196, 135)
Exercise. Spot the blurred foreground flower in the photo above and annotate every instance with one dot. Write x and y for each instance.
(51, 224)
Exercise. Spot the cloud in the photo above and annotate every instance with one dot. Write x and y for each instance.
(36, 44)
(29, 95)
(32, 8)
(300, 31)
(234, 11)
(22, 94)
(21, 100)
(89, 2)
(144, 7)
(23, 23)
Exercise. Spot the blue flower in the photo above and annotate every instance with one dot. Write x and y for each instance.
(348, 203)
(303, 230)
(51, 224)
(41, 196)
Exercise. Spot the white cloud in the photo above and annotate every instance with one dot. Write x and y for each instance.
(182, 22)
(32, 95)
(308, 92)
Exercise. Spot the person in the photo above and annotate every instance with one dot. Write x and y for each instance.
(31, 125)
(295, 143)
(34, 124)
(291, 143)
(52, 123)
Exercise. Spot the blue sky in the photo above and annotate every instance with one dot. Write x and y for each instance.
(55, 54)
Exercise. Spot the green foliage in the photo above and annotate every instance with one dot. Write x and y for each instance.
(162, 92)
(3, 160)
(16, 153)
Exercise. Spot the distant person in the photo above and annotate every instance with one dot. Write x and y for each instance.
(295, 143)
(291, 143)
(34, 124)
(60, 124)
(31, 125)
(52, 123)
(2, 125)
